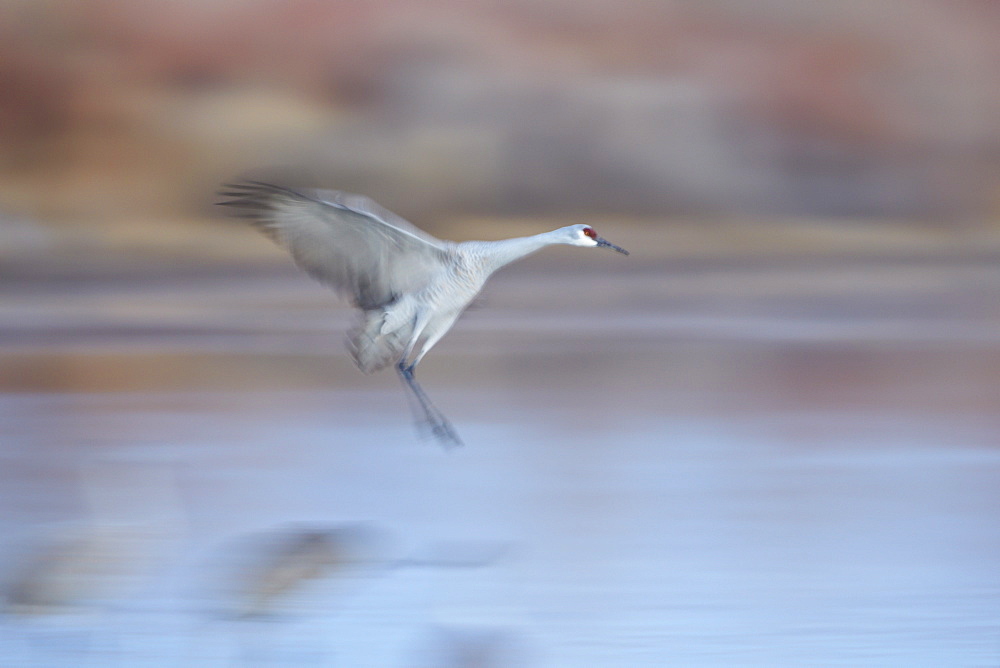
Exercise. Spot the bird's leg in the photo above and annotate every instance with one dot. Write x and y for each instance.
(439, 424)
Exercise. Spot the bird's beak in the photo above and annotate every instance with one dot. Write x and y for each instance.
(608, 244)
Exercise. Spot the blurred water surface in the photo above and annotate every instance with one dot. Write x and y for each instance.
(745, 461)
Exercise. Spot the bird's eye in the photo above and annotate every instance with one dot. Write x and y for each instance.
(589, 231)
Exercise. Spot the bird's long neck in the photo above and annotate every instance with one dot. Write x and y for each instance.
(497, 254)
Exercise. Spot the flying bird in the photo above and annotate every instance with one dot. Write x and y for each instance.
(409, 286)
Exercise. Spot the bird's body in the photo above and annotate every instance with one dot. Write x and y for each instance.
(410, 287)
(430, 312)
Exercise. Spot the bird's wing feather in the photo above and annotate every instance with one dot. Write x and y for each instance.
(347, 241)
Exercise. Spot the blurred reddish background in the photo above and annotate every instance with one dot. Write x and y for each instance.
(131, 111)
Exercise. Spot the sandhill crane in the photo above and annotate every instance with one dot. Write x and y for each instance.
(410, 286)
(270, 568)
(265, 572)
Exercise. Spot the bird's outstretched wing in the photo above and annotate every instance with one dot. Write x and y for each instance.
(366, 252)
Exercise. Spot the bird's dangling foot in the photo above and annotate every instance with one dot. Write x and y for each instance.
(441, 430)
(429, 419)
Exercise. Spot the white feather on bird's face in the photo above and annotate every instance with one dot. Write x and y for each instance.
(588, 236)
(578, 235)
(585, 235)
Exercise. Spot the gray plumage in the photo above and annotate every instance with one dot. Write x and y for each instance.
(410, 286)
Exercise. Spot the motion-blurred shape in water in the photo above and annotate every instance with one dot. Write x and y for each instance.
(78, 567)
(273, 573)
(72, 595)
(469, 647)
(281, 594)
(131, 515)
(270, 573)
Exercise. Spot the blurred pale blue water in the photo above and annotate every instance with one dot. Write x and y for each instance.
(740, 467)
(823, 538)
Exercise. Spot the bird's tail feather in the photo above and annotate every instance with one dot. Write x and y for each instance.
(370, 349)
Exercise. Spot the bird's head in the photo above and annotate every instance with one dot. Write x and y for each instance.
(584, 235)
